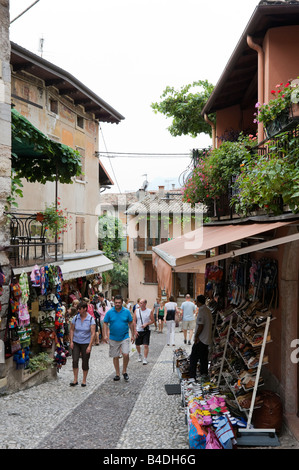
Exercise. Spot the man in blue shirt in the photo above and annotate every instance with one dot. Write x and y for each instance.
(119, 320)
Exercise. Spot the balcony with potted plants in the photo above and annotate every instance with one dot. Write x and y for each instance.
(244, 178)
(38, 237)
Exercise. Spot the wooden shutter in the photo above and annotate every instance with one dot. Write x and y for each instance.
(150, 275)
(80, 238)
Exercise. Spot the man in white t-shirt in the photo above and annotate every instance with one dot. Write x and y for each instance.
(202, 339)
(188, 310)
(143, 317)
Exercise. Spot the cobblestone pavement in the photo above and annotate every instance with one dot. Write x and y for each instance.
(104, 415)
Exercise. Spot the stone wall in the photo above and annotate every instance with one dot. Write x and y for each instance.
(5, 163)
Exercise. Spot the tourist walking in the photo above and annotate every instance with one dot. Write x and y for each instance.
(120, 321)
(143, 317)
(82, 334)
(202, 339)
(170, 309)
(161, 317)
(102, 299)
(188, 321)
(156, 310)
(102, 310)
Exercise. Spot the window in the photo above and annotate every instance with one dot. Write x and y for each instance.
(53, 105)
(80, 122)
(80, 239)
(150, 275)
(82, 153)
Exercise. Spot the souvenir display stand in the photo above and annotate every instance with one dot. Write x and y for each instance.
(209, 421)
(244, 334)
(36, 318)
(220, 410)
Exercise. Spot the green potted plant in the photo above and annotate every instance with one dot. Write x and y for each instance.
(280, 110)
(268, 182)
(55, 219)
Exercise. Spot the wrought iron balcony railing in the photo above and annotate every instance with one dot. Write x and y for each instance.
(28, 242)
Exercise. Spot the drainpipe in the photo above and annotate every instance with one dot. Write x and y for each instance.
(213, 130)
(213, 146)
(260, 53)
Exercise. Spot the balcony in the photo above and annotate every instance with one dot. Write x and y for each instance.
(144, 245)
(28, 242)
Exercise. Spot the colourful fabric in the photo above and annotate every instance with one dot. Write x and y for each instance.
(24, 285)
(224, 432)
(196, 441)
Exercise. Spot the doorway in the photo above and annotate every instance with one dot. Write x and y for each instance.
(183, 284)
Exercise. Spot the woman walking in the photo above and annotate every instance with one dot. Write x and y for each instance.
(82, 335)
(170, 310)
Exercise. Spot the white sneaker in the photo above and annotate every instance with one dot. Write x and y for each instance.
(139, 358)
(144, 361)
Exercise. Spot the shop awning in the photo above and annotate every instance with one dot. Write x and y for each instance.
(80, 267)
(188, 252)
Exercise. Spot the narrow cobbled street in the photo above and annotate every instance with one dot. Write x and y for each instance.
(104, 415)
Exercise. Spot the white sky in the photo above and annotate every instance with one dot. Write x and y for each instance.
(127, 52)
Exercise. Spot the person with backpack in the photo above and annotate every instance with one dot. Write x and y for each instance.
(82, 333)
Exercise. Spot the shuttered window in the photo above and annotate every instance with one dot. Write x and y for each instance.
(80, 239)
(150, 275)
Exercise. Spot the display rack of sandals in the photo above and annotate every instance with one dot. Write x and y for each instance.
(243, 333)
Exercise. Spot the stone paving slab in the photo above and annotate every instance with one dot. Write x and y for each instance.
(105, 414)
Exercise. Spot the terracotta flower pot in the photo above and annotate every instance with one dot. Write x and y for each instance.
(40, 217)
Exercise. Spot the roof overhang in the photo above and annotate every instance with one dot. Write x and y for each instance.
(238, 82)
(104, 178)
(64, 82)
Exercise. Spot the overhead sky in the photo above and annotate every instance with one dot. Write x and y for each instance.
(127, 52)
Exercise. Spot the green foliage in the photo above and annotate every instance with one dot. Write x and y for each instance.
(56, 220)
(184, 107)
(110, 236)
(119, 274)
(215, 168)
(47, 159)
(40, 362)
(110, 240)
(269, 181)
(283, 97)
(16, 190)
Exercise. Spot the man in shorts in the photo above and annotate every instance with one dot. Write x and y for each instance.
(202, 339)
(188, 310)
(120, 320)
(143, 317)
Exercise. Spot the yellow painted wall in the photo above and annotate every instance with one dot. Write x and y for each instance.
(80, 198)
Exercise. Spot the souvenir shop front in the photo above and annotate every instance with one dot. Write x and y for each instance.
(36, 340)
(252, 388)
(82, 276)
